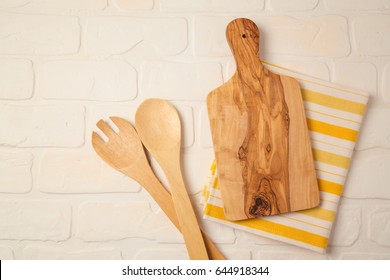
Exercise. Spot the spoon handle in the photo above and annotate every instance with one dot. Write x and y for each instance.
(184, 210)
(163, 198)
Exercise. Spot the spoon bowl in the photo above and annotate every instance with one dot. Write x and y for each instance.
(158, 126)
(159, 121)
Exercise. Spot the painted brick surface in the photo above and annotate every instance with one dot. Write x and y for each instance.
(369, 168)
(38, 34)
(234, 254)
(362, 5)
(219, 234)
(36, 252)
(160, 254)
(304, 37)
(364, 256)
(119, 35)
(80, 172)
(6, 253)
(216, 6)
(375, 132)
(180, 81)
(55, 4)
(35, 220)
(65, 64)
(386, 83)
(357, 75)
(348, 222)
(372, 43)
(295, 5)
(379, 231)
(41, 126)
(17, 79)
(286, 253)
(134, 5)
(105, 221)
(111, 80)
(15, 172)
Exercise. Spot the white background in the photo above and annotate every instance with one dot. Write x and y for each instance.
(66, 64)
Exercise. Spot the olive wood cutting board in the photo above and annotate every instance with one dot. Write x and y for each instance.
(260, 135)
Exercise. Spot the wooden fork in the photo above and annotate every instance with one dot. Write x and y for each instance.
(124, 152)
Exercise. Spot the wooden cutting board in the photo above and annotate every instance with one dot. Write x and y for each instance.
(260, 136)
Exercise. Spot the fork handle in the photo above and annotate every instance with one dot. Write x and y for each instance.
(163, 198)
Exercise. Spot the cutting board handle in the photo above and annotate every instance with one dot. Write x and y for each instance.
(243, 37)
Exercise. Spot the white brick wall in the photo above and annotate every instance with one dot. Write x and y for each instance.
(44, 220)
(111, 80)
(38, 34)
(304, 37)
(368, 42)
(67, 63)
(41, 125)
(15, 172)
(17, 79)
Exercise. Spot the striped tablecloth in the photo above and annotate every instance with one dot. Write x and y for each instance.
(334, 115)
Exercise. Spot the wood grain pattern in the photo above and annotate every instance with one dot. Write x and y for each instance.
(159, 128)
(260, 135)
(125, 153)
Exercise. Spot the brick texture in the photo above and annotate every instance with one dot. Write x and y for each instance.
(375, 132)
(37, 252)
(15, 172)
(17, 79)
(136, 5)
(379, 231)
(180, 81)
(120, 35)
(386, 83)
(359, 5)
(372, 43)
(216, 6)
(55, 4)
(41, 126)
(356, 75)
(295, 5)
(104, 221)
(305, 37)
(66, 64)
(369, 168)
(112, 80)
(80, 172)
(35, 220)
(349, 223)
(6, 253)
(38, 34)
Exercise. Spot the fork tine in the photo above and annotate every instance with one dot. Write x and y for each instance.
(122, 124)
(97, 140)
(105, 128)
(119, 122)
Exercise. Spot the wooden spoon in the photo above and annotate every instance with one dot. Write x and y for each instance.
(125, 153)
(159, 128)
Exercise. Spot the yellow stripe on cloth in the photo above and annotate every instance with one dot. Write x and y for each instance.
(333, 102)
(330, 187)
(271, 227)
(331, 158)
(320, 213)
(332, 130)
